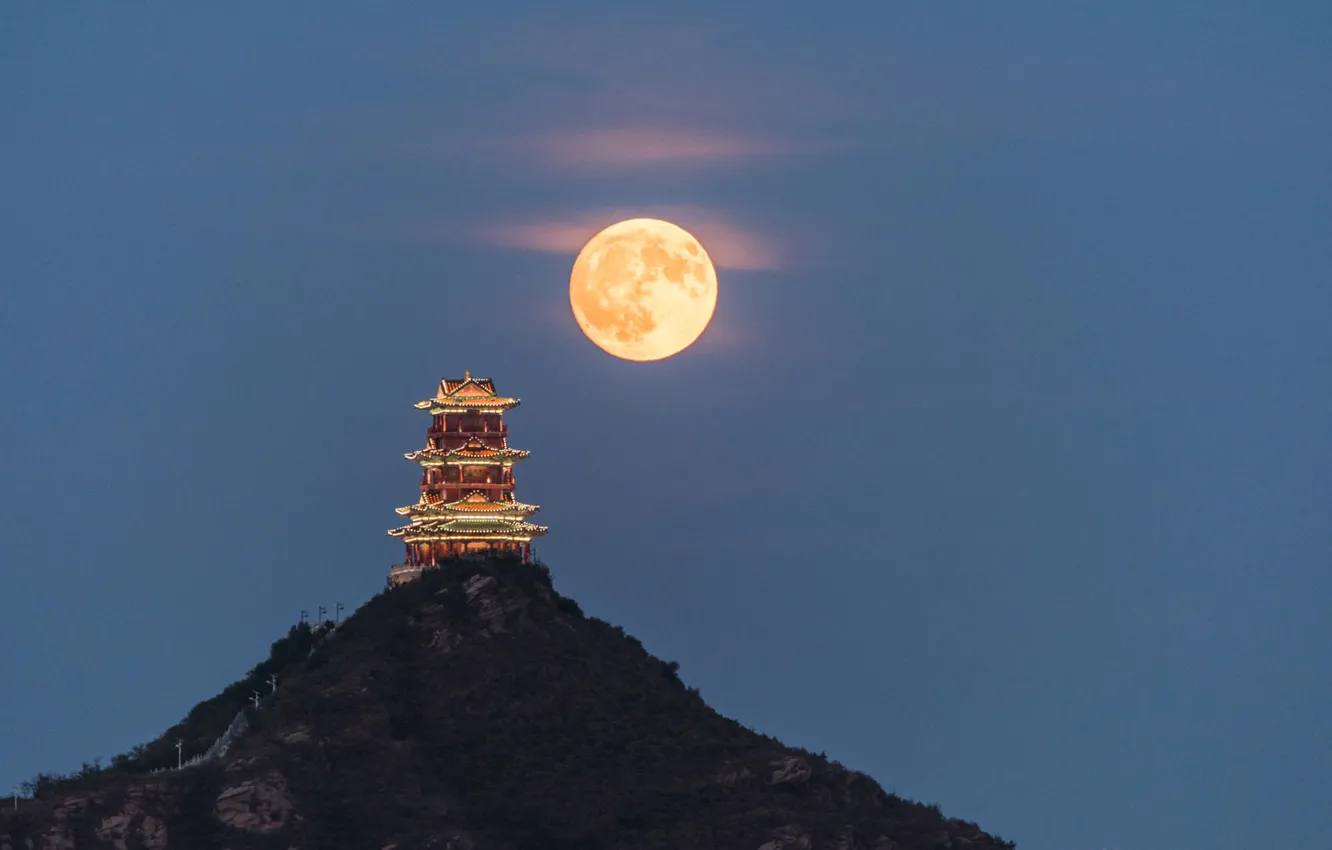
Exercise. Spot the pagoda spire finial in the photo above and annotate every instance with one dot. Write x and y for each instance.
(467, 374)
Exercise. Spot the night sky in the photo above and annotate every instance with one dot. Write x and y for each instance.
(1002, 472)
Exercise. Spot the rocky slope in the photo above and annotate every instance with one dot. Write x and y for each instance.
(477, 709)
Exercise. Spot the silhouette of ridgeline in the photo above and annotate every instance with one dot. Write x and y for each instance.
(477, 708)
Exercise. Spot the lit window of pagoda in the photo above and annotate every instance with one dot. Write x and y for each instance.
(467, 504)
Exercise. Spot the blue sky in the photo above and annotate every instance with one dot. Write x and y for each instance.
(1002, 473)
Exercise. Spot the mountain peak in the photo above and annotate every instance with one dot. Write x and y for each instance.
(477, 708)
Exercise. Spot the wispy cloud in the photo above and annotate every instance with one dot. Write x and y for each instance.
(635, 147)
(658, 92)
(731, 245)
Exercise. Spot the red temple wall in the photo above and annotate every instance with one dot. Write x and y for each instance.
(451, 430)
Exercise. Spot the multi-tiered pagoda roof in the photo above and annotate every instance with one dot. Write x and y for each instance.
(473, 505)
(467, 394)
(479, 529)
(474, 451)
(467, 503)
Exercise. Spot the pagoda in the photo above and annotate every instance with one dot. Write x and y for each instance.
(467, 504)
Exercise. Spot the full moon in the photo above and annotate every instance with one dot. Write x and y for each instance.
(643, 289)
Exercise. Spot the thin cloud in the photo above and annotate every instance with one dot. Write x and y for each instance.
(730, 245)
(630, 147)
(729, 99)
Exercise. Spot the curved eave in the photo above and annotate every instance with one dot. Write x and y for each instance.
(474, 538)
(437, 406)
(443, 512)
(502, 457)
(434, 532)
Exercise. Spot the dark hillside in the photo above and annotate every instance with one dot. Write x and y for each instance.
(477, 708)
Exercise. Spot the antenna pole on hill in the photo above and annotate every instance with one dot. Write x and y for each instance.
(255, 699)
(305, 615)
(322, 612)
(272, 683)
(180, 748)
(337, 617)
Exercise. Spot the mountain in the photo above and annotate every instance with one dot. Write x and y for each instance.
(476, 709)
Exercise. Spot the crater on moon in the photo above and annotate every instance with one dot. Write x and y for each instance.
(643, 289)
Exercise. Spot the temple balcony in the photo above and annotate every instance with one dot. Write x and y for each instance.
(502, 431)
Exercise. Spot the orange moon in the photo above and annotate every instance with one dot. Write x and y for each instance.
(643, 289)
